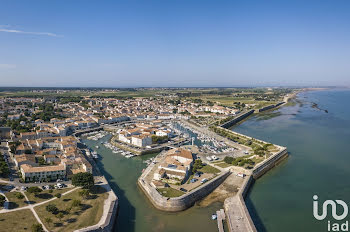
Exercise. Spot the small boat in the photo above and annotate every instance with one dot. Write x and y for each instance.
(214, 216)
(97, 147)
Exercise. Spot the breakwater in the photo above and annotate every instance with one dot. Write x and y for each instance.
(237, 202)
(269, 163)
(247, 225)
(270, 106)
(237, 119)
(179, 203)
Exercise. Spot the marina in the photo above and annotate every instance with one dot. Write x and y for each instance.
(122, 175)
(205, 143)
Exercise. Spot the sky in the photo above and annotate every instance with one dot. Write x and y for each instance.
(174, 43)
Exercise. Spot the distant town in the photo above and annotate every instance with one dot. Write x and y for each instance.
(50, 179)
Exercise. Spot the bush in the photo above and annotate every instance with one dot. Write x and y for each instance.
(83, 179)
(52, 208)
(19, 195)
(85, 193)
(76, 203)
(34, 190)
(2, 200)
(37, 227)
(58, 195)
(197, 165)
(228, 159)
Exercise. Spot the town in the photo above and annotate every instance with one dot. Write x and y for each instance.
(44, 160)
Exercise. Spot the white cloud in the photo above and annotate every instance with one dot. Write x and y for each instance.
(7, 66)
(4, 28)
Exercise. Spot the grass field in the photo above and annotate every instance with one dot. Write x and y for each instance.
(209, 169)
(14, 201)
(45, 195)
(224, 165)
(21, 220)
(87, 214)
(170, 192)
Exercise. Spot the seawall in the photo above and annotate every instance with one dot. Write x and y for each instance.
(237, 119)
(239, 200)
(109, 217)
(270, 106)
(183, 202)
(271, 162)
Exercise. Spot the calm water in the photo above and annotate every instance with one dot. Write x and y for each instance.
(318, 164)
(136, 213)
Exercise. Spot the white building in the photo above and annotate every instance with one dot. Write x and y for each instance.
(141, 140)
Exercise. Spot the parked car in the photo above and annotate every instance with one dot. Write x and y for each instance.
(193, 180)
(197, 174)
(204, 180)
(183, 190)
(23, 188)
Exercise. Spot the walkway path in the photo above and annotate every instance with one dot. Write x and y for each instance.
(34, 205)
(235, 216)
(33, 211)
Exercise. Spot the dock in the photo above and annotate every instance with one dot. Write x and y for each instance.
(220, 218)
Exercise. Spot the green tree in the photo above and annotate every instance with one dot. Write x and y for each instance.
(60, 216)
(2, 200)
(83, 179)
(58, 195)
(52, 208)
(85, 193)
(76, 203)
(197, 165)
(37, 227)
(228, 159)
(48, 220)
(19, 195)
(34, 189)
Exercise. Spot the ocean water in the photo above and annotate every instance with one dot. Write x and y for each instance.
(319, 160)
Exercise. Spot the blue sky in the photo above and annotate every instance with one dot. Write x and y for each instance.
(174, 43)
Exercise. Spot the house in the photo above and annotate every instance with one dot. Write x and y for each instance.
(166, 132)
(5, 133)
(43, 173)
(175, 166)
(24, 159)
(28, 135)
(141, 140)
